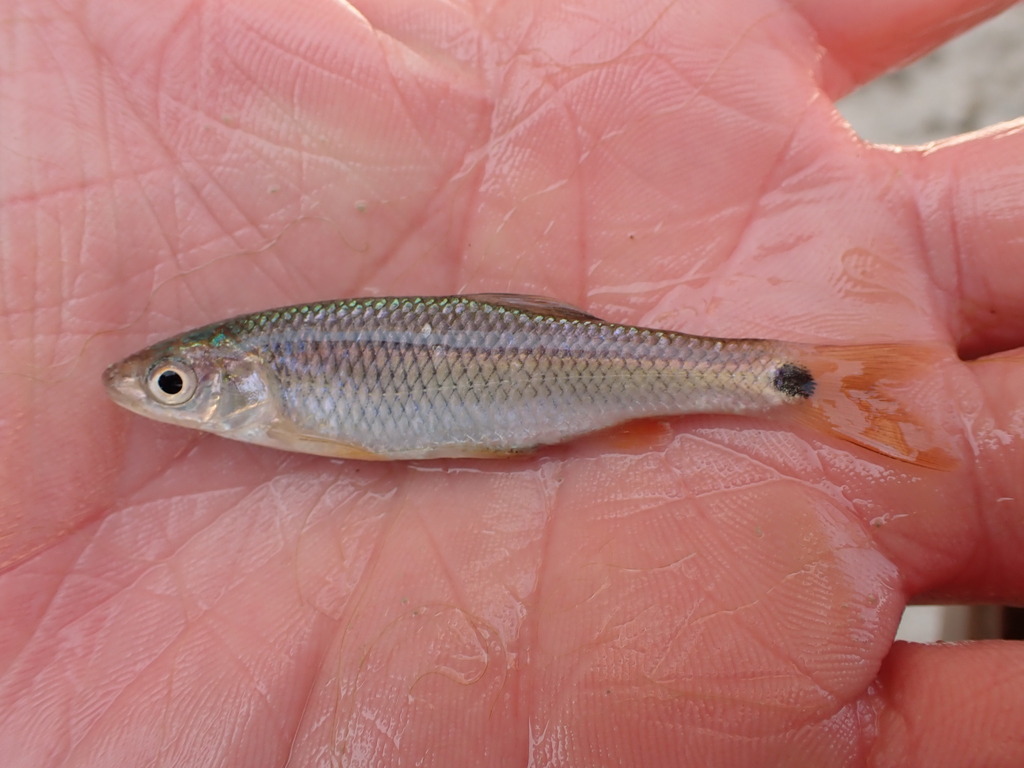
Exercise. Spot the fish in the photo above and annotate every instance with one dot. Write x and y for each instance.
(496, 375)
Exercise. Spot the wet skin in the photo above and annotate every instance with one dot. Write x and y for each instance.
(703, 592)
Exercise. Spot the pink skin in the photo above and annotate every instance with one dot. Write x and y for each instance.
(713, 592)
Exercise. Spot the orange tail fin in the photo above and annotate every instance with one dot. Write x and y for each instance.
(871, 396)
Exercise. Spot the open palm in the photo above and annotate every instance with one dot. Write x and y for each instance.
(712, 592)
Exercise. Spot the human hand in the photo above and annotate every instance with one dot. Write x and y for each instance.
(715, 592)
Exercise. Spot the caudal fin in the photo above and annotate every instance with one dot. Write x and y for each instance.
(871, 396)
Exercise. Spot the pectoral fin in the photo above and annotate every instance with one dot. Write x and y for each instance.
(288, 438)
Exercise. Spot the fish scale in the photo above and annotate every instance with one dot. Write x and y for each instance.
(413, 388)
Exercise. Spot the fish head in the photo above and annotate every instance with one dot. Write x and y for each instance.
(202, 380)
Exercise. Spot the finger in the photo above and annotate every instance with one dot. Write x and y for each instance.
(864, 40)
(993, 568)
(951, 706)
(973, 234)
(958, 537)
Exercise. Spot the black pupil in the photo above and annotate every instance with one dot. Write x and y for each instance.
(170, 382)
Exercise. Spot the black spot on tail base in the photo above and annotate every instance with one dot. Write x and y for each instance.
(794, 380)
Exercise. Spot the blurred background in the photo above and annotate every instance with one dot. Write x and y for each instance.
(974, 81)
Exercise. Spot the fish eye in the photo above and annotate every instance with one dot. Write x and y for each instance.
(172, 383)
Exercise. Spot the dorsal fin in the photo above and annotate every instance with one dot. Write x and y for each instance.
(534, 305)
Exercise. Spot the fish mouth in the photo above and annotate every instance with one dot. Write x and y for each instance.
(122, 384)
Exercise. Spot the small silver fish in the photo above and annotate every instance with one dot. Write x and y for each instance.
(491, 375)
